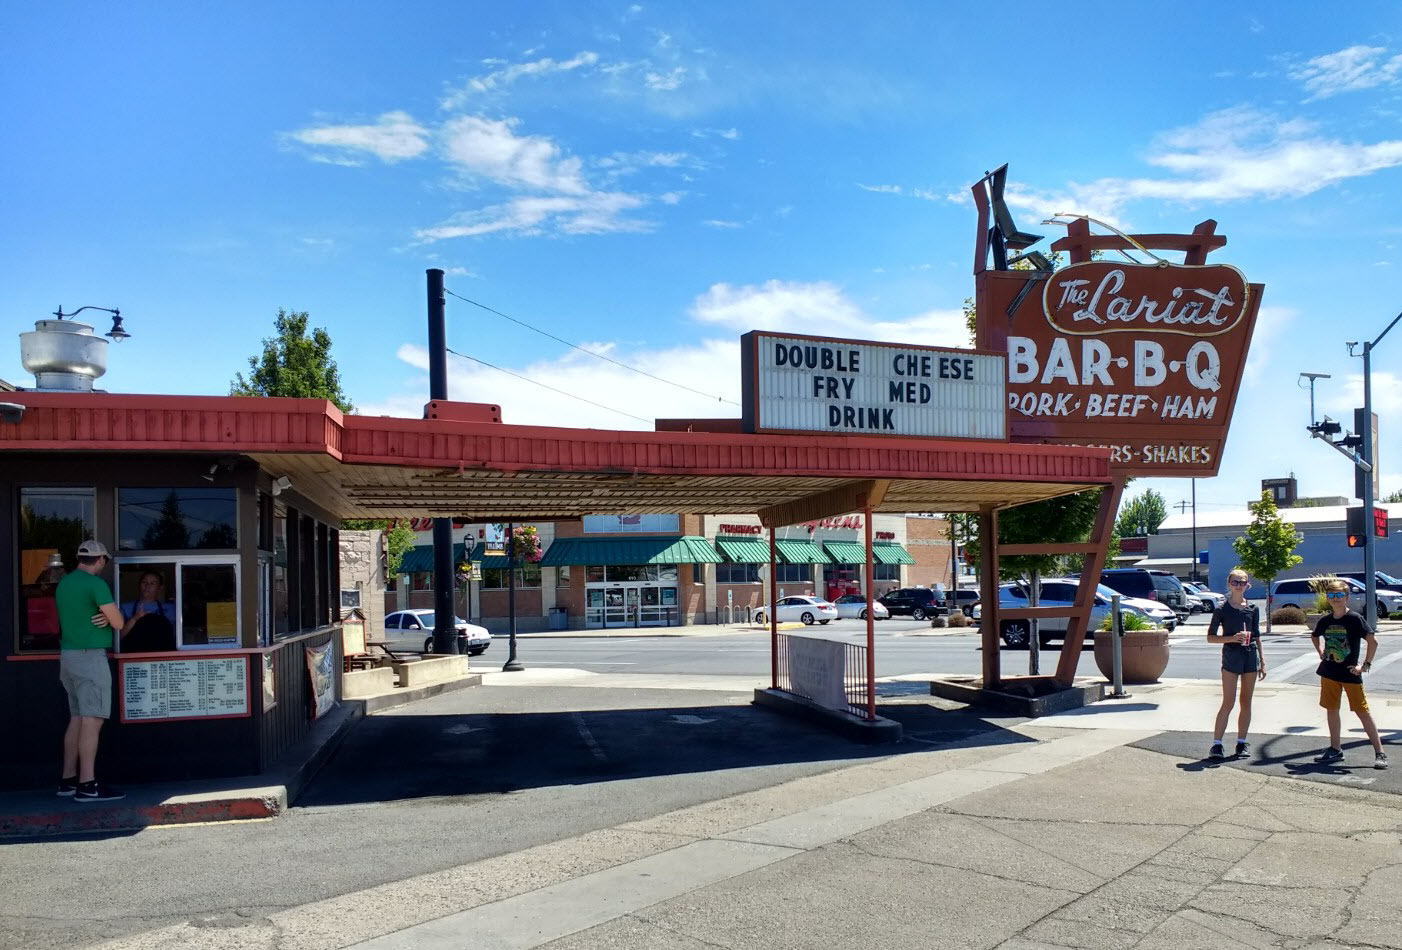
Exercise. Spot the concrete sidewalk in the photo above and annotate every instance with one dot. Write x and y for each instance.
(1071, 837)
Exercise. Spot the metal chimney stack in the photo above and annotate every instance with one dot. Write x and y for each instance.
(63, 355)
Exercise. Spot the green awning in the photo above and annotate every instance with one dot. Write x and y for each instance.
(800, 552)
(743, 550)
(845, 552)
(889, 552)
(668, 549)
(419, 559)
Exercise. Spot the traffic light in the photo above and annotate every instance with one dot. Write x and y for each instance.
(1355, 525)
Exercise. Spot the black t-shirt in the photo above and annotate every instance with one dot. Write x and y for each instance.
(1233, 620)
(1342, 637)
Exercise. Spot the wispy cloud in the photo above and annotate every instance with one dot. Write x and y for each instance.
(589, 213)
(492, 149)
(1234, 155)
(924, 194)
(394, 137)
(1349, 69)
(508, 73)
(719, 223)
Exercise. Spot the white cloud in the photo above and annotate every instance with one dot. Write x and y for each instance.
(719, 223)
(591, 213)
(1234, 155)
(711, 365)
(492, 149)
(458, 272)
(1350, 69)
(665, 81)
(1346, 393)
(478, 86)
(728, 134)
(393, 138)
(923, 194)
(881, 189)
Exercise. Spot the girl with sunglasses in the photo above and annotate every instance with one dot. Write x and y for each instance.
(1243, 660)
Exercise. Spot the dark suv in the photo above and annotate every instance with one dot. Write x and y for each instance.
(919, 602)
(1151, 585)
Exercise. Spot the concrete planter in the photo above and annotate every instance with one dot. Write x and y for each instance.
(1144, 655)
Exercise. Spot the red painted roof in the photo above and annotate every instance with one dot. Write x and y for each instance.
(369, 457)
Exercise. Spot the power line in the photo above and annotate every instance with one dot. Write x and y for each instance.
(538, 383)
(581, 349)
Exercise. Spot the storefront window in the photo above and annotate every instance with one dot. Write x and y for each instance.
(562, 576)
(281, 599)
(198, 597)
(52, 523)
(794, 573)
(527, 577)
(176, 519)
(731, 573)
(209, 611)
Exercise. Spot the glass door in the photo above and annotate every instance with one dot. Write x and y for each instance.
(615, 614)
(631, 614)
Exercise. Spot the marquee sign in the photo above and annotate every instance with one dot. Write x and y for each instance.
(856, 387)
(1143, 359)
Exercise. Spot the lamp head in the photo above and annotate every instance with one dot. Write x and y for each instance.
(117, 333)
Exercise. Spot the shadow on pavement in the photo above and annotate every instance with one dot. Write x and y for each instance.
(1287, 756)
(452, 752)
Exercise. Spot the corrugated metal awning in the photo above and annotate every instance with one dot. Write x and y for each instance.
(668, 549)
(889, 552)
(845, 552)
(800, 552)
(743, 550)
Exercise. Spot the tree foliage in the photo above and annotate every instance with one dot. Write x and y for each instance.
(1268, 547)
(293, 364)
(1060, 520)
(1142, 514)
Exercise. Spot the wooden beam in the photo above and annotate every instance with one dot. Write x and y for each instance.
(988, 595)
(1080, 547)
(842, 500)
(1090, 578)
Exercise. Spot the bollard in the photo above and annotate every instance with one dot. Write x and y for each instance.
(1117, 632)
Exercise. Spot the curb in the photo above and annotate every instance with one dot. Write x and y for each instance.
(880, 731)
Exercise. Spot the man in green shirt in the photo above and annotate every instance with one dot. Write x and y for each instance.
(87, 615)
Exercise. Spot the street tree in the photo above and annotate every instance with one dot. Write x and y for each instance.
(1141, 515)
(1268, 546)
(294, 364)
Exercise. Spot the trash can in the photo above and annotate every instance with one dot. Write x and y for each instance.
(559, 618)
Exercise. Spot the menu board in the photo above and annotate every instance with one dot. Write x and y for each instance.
(197, 688)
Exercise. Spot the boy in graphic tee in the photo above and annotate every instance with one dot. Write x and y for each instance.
(1337, 639)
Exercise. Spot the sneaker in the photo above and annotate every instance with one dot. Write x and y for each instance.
(1330, 755)
(1380, 761)
(1216, 751)
(93, 792)
(1243, 748)
(67, 786)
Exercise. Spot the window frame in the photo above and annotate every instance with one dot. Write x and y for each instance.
(178, 561)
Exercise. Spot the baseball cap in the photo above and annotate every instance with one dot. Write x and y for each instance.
(91, 548)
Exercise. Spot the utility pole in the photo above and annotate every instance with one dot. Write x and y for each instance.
(445, 628)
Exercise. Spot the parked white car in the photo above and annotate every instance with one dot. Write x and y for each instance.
(1210, 599)
(412, 631)
(799, 608)
(1061, 592)
(854, 607)
(1297, 592)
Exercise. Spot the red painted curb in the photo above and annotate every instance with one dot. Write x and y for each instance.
(80, 818)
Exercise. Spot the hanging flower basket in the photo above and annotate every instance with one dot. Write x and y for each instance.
(525, 545)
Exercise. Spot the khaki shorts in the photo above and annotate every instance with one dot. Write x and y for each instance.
(1329, 691)
(87, 679)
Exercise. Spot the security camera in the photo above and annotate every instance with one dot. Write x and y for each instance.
(11, 412)
(281, 484)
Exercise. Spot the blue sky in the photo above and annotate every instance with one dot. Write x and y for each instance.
(651, 180)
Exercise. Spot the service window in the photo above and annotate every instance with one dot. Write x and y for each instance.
(52, 523)
(203, 591)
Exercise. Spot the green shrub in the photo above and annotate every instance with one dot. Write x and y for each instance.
(1288, 614)
(957, 618)
(1132, 621)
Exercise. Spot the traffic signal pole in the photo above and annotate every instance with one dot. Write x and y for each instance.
(1369, 550)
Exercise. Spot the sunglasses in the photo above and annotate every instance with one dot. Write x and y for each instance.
(1337, 594)
(1239, 583)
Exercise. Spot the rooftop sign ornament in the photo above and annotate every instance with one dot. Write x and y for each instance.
(1141, 357)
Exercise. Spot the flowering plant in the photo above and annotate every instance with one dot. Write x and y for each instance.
(525, 545)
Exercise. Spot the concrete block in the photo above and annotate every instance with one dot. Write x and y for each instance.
(875, 732)
(1028, 697)
(358, 683)
(430, 670)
